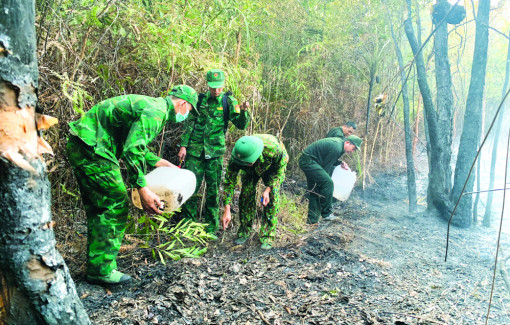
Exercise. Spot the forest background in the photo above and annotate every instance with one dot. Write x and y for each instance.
(304, 66)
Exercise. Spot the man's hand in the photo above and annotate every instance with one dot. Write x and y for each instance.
(265, 196)
(150, 201)
(344, 166)
(227, 217)
(245, 105)
(182, 154)
(164, 163)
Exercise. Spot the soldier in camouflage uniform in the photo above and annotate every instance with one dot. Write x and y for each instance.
(203, 145)
(257, 156)
(119, 128)
(342, 131)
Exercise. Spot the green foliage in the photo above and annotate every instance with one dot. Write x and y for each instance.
(75, 93)
(293, 214)
(167, 240)
(302, 64)
(64, 190)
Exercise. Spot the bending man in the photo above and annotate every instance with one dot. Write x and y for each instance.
(257, 156)
(119, 128)
(317, 162)
(342, 131)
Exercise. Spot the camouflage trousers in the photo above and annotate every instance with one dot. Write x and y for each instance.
(320, 189)
(248, 209)
(210, 171)
(106, 204)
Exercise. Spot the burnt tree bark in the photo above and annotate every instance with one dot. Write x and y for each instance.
(444, 99)
(411, 178)
(35, 285)
(472, 118)
(488, 207)
(437, 187)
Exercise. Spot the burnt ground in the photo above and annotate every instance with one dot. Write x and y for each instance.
(377, 265)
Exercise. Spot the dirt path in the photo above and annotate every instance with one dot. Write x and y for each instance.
(377, 265)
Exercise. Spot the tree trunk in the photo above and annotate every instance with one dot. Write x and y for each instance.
(472, 118)
(416, 125)
(437, 183)
(411, 179)
(444, 99)
(478, 176)
(490, 196)
(35, 284)
(371, 82)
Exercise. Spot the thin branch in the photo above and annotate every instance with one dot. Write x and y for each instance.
(501, 33)
(499, 232)
(495, 190)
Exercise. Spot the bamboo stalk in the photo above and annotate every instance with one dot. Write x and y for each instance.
(416, 125)
(365, 163)
(389, 140)
(373, 144)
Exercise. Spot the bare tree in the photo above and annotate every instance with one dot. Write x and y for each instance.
(444, 97)
(34, 280)
(411, 178)
(492, 178)
(471, 131)
(438, 185)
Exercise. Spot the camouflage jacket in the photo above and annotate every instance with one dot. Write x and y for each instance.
(122, 127)
(336, 133)
(204, 133)
(270, 166)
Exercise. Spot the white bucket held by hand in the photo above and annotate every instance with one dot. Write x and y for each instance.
(173, 186)
(343, 181)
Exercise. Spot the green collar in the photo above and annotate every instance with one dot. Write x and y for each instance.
(170, 112)
(218, 99)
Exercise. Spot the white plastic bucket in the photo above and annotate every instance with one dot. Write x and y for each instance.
(343, 181)
(173, 186)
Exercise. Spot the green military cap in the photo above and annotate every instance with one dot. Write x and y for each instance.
(215, 78)
(355, 141)
(247, 150)
(185, 92)
(351, 124)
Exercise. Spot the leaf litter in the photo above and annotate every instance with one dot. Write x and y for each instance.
(377, 265)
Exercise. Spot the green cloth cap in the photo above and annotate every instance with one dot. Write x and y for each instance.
(355, 141)
(247, 150)
(185, 92)
(215, 78)
(351, 124)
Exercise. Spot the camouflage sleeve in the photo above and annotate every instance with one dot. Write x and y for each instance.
(188, 126)
(151, 158)
(278, 174)
(238, 117)
(135, 151)
(230, 182)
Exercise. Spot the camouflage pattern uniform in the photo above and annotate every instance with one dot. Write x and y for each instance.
(204, 139)
(270, 166)
(117, 128)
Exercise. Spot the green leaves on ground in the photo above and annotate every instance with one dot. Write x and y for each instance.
(169, 240)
